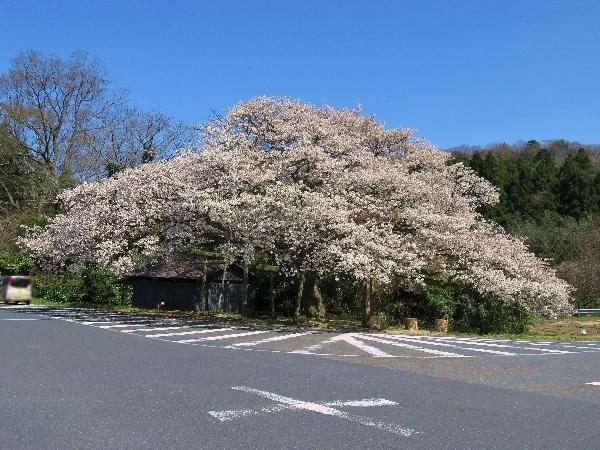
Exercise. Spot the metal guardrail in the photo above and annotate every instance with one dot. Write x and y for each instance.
(588, 311)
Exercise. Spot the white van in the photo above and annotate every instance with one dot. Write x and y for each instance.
(16, 288)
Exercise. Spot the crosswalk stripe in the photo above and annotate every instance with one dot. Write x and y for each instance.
(444, 344)
(409, 346)
(185, 333)
(224, 336)
(271, 339)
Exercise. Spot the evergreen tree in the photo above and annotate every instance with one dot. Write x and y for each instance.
(545, 178)
(575, 185)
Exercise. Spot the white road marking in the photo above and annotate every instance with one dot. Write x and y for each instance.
(362, 403)
(63, 318)
(225, 416)
(452, 338)
(224, 336)
(185, 333)
(444, 344)
(320, 409)
(310, 350)
(271, 339)
(162, 328)
(122, 325)
(412, 347)
(489, 344)
(594, 383)
(133, 324)
(108, 322)
(350, 339)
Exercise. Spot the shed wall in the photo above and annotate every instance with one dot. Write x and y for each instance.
(183, 296)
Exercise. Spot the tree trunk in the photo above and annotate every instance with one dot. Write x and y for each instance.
(8, 195)
(300, 290)
(368, 291)
(202, 306)
(245, 289)
(312, 301)
(222, 293)
(271, 295)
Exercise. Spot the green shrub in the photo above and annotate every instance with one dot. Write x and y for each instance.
(465, 309)
(64, 288)
(13, 261)
(342, 296)
(91, 286)
(485, 314)
(103, 287)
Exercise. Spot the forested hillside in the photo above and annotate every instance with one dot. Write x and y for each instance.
(550, 195)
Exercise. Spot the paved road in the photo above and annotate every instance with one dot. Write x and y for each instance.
(78, 378)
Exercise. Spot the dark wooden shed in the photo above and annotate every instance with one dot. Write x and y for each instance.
(179, 285)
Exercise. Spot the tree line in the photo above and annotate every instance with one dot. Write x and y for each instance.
(550, 196)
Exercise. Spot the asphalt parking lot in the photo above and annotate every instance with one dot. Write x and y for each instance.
(79, 378)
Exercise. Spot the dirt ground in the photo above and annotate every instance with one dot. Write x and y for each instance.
(569, 327)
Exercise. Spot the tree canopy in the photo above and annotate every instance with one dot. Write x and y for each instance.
(307, 188)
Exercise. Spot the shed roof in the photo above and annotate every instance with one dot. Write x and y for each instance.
(188, 270)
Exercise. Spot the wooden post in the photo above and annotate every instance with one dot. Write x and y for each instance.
(411, 323)
(271, 295)
(441, 325)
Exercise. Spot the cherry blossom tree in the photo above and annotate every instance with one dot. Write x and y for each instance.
(313, 190)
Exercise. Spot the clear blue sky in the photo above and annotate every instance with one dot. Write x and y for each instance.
(460, 72)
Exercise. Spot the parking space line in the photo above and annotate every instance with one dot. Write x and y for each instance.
(490, 344)
(20, 319)
(412, 347)
(364, 343)
(108, 322)
(445, 344)
(271, 339)
(350, 339)
(180, 327)
(225, 336)
(185, 333)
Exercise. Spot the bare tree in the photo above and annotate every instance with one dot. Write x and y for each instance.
(53, 106)
(128, 138)
(157, 136)
(70, 120)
